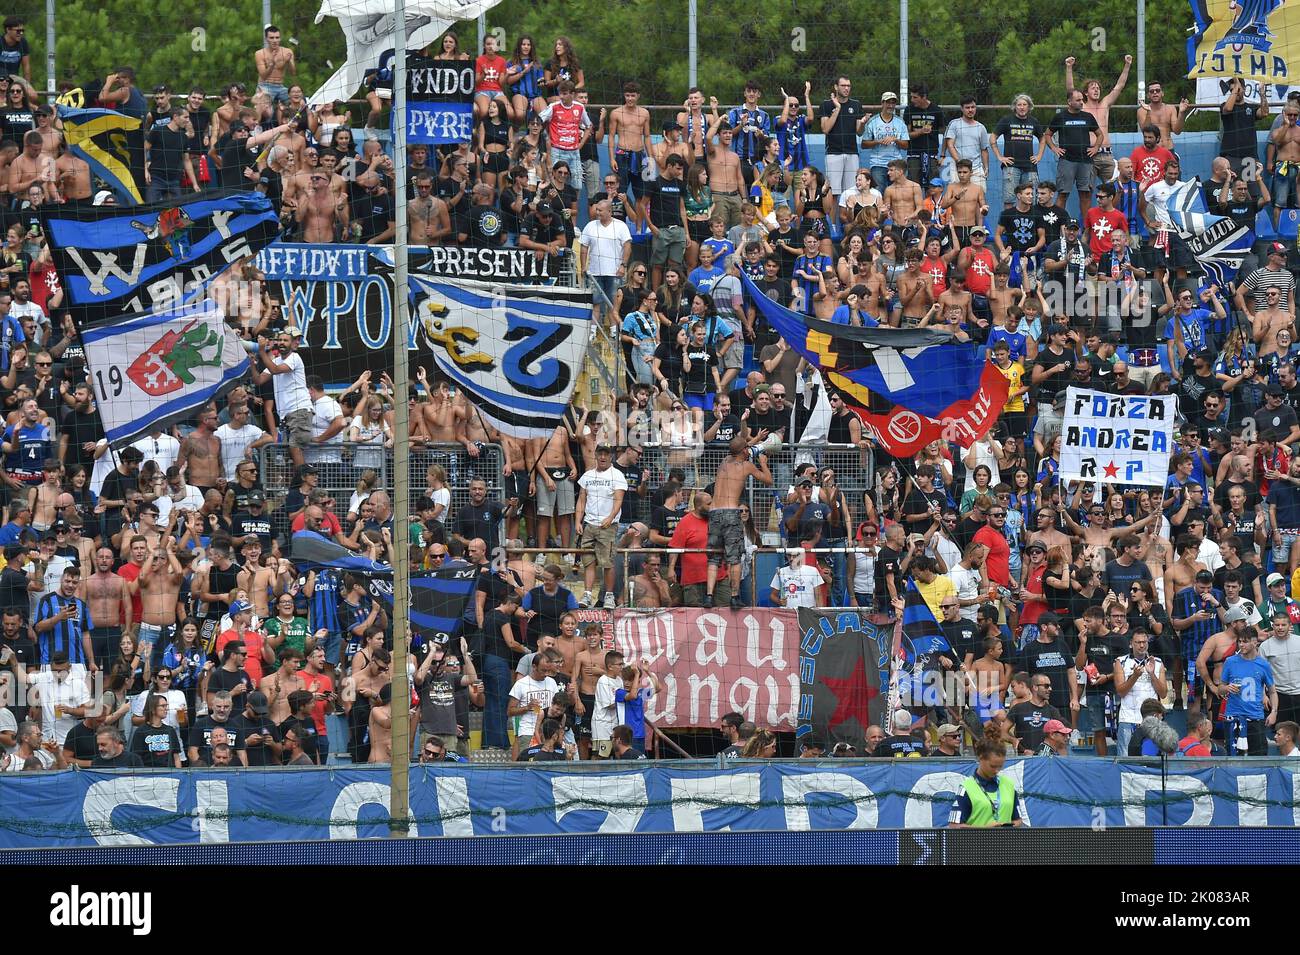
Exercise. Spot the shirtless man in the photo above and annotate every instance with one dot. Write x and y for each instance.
(440, 413)
(470, 430)
(1156, 112)
(1181, 573)
(629, 134)
(556, 497)
(725, 176)
(282, 682)
(902, 197)
(109, 600)
(261, 584)
(965, 201)
(427, 215)
(158, 586)
(73, 177)
(518, 484)
(1286, 141)
(955, 306)
(1103, 161)
(915, 290)
(322, 215)
(692, 122)
(726, 533)
(146, 526)
(1099, 533)
(32, 167)
(827, 300)
(988, 677)
(235, 96)
(381, 726)
(672, 144)
(649, 588)
(273, 62)
(52, 139)
(1046, 531)
(589, 665)
(200, 457)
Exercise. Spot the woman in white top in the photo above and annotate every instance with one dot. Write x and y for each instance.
(369, 428)
(367, 483)
(991, 454)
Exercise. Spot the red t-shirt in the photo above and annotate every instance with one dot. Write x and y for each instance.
(1101, 226)
(937, 271)
(998, 561)
(253, 641)
(489, 70)
(329, 524)
(564, 124)
(130, 572)
(1034, 584)
(979, 271)
(44, 281)
(1149, 164)
(693, 532)
(1192, 746)
(318, 683)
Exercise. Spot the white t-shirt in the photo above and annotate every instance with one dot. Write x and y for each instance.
(872, 195)
(604, 245)
(175, 703)
(164, 450)
(1130, 705)
(864, 571)
(797, 586)
(291, 386)
(50, 691)
(1156, 196)
(234, 442)
(528, 690)
(605, 716)
(441, 496)
(324, 411)
(601, 487)
(967, 582)
(192, 500)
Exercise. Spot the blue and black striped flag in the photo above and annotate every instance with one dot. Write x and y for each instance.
(922, 635)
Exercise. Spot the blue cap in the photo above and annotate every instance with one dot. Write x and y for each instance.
(936, 182)
(240, 606)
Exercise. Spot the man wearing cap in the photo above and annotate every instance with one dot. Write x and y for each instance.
(262, 739)
(885, 139)
(949, 744)
(1196, 615)
(987, 798)
(1065, 264)
(1274, 274)
(545, 233)
(1056, 739)
(796, 584)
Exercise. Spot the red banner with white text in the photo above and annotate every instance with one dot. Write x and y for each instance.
(711, 662)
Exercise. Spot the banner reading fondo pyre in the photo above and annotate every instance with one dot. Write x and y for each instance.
(1257, 41)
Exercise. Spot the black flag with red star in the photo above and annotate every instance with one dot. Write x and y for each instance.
(843, 664)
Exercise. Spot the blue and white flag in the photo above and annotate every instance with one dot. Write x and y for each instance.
(159, 367)
(117, 260)
(515, 350)
(1216, 242)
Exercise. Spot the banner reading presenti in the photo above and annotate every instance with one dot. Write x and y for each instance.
(1116, 439)
(1255, 40)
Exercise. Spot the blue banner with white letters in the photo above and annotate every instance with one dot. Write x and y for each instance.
(84, 808)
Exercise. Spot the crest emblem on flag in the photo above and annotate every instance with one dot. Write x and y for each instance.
(165, 365)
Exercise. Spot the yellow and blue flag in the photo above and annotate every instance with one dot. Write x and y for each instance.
(101, 138)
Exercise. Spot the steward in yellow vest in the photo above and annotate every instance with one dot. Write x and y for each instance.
(986, 799)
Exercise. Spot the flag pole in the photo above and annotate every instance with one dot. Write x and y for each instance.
(399, 800)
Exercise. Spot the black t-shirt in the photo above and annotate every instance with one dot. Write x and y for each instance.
(617, 207)
(1102, 652)
(1018, 137)
(698, 379)
(510, 219)
(123, 760)
(486, 227)
(1019, 229)
(1238, 132)
(13, 590)
(81, 427)
(1045, 390)
(632, 501)
(670, 365)
(899, 746)
(17, 123)
(167, 149)
(235, 158)
(535, 754)
(887, 562)
(375, 212)
(1051, 218)
(964, 637)
(201, 733)
(1071, 131)
(156, 746)
(665, 197)
(1054, 661)
(545, 233)
(778, 291)
(200, 119)
(728, 429)
(260, 755)
(843, 137)
(223, 679)
(812, 522)
(918, 117)
(664, 520)
(494, 645)
(1030, 718)
(482, 521)
(920, 502)
(80, 742)
(11, 58)
(787, 258)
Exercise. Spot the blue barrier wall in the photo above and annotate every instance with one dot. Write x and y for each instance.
(82, 808)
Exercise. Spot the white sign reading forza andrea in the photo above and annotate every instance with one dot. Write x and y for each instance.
(1116, 439)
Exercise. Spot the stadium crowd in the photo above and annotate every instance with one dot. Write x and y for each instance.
(149, 598)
